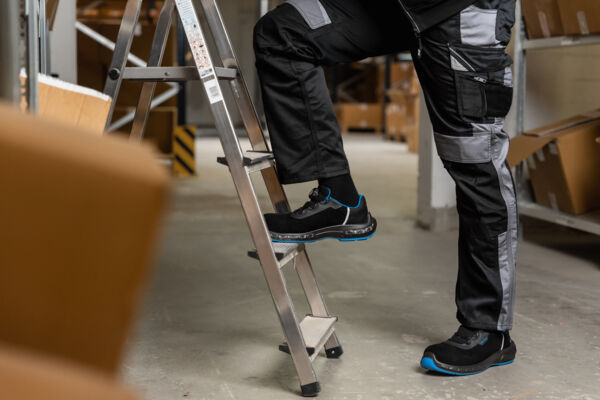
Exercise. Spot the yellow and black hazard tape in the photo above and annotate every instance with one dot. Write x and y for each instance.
(184, 163)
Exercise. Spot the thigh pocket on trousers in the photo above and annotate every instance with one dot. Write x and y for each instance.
(483, 80)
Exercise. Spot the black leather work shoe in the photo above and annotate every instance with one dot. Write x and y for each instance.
(470, 352)
(323, 217)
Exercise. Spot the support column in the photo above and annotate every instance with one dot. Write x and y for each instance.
(9, 51)
(436, 190)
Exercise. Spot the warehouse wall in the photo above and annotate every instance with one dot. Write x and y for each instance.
(561, 83)
(63, 42)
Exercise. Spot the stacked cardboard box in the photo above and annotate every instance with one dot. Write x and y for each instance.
(359, 108)
(402, 112)
(542, 18)
(563, 161)
(398, 118)
(365, 117)
(402, 120)
(548, 18)
(580, 17)
(403, 78)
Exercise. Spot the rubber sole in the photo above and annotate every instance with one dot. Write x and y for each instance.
(502, 357)
(343, 233)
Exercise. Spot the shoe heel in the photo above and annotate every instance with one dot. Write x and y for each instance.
(508, 354)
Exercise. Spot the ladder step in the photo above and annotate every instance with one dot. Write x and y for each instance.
(254, 161)
(316, 331)
(284, 252)
(173, 74)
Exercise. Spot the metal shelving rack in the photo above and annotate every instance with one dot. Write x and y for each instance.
(589, 222)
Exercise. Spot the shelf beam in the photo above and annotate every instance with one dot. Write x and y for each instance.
(585, 222)
(561, 41)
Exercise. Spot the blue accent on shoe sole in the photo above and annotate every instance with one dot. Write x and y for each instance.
(325, 238)
(429, 364)
(501, 364)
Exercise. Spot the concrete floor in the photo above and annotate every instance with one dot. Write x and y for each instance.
(209, 330)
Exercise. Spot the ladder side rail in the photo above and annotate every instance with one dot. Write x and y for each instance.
(273, 274)
(250, 117)
(159, 42)
(122, 48)
(219, 33)
(247, 110)
(248, 199)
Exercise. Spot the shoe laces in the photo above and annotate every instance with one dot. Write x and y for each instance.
(316, 197)
(463, 335)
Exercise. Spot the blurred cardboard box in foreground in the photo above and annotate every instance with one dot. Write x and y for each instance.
(30, 376)
(80, 217)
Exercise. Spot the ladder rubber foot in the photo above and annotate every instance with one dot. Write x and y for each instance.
(286, 349)
(311, 390)
(334, 352)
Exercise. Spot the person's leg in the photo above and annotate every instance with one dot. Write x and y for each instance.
(292, 43)
(467, 81)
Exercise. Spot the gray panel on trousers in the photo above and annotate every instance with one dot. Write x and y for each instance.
(507, 242)
(506, 278)
(478, 26)
(464, 149)
(312, 11)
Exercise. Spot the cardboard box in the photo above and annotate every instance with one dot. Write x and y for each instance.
(71, 104)
(402, 120)
(356, 82)
(29, 376)
(403, 77)
(159, 127)
(396, 121)
(360, 116)
(542, 18)
(580, 17)
(80, 216)
(563, 160)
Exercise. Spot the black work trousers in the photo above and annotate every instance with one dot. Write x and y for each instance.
(466, 79)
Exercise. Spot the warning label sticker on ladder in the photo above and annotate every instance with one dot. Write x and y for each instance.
(195, 37)
(213, 90)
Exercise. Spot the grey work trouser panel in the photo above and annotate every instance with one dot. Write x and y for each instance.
(467, 85)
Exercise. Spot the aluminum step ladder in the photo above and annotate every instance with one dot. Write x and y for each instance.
(305, 339)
